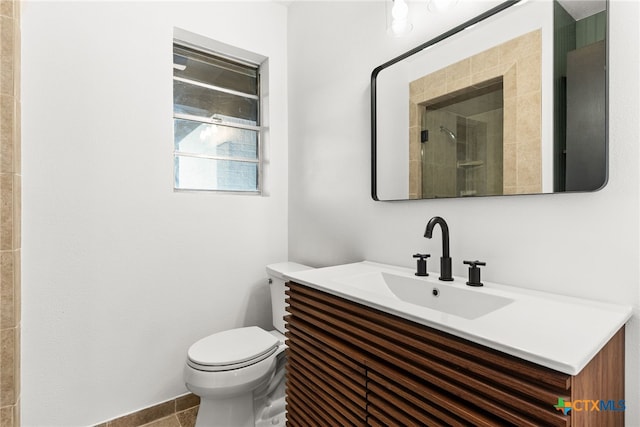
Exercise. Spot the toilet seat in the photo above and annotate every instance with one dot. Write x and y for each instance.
(232, 349)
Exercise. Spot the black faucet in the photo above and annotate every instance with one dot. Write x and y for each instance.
(445, 260)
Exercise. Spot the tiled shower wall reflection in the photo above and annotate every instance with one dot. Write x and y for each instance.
(518, 62)
(10, 181)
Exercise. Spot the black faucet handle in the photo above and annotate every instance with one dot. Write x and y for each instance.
(474, 272)
(422, 264)
(474, 263)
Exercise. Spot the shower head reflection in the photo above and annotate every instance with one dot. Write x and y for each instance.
(449, 133)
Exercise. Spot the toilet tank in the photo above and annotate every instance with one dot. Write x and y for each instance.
(276, 273)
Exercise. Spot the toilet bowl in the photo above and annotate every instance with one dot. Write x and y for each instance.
(239, 373)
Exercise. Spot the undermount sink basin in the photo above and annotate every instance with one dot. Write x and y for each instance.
(466, 303)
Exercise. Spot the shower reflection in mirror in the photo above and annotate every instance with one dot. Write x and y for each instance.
(461, 144)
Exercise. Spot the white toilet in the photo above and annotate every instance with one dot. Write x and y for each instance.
(239, 373)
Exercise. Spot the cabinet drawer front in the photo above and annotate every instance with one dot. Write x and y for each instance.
(419, 398)
(454, 403)
(326, 376)
(358, 319)
(475, 384)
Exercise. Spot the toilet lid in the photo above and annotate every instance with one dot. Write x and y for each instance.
(233, 349)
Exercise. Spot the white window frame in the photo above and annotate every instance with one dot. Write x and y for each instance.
(218, 49)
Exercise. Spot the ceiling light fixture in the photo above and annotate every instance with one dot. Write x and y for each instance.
(400, 18)
(441, 5)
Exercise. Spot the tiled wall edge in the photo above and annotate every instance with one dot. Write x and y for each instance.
(10, 213)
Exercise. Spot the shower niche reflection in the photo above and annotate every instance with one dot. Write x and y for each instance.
(461, 143)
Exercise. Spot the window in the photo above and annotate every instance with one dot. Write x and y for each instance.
(216, 121)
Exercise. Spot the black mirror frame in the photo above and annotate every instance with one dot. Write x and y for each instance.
(489, 13)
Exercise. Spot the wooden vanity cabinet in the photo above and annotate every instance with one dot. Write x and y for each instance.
(349, 364)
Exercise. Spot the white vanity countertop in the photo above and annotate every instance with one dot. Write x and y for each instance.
(559, 332)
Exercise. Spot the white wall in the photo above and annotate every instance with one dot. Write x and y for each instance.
(120, 273)
(576, 244)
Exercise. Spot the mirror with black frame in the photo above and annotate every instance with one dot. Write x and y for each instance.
(511, 102)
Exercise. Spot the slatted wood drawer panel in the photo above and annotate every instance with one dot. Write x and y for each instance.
(326, 376)
(416, 375)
